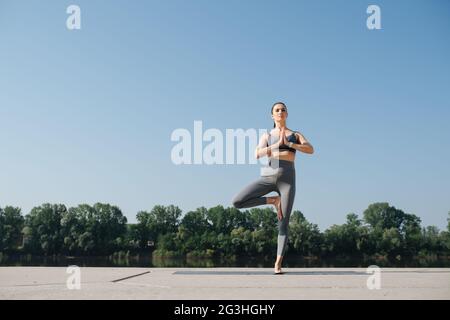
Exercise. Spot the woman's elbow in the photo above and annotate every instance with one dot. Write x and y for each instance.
(310, 149)
(257, 156)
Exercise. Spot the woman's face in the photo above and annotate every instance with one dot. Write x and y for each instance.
(279, 112)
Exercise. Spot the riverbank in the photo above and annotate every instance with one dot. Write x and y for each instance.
(149, 261)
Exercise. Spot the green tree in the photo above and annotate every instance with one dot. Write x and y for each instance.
(44, 229)
(98, 229)
(445, 237)
(392, 230)
(224, 220)
(80, 226)
(381, 215)
(261, 242)
(305, 237)
(109, 227)
(263, 219)
(431, 241)
(11, 225)
(159, 221)
(351, 238)
(196, 222)
(241, 241)
(192, 235)
(72, 228)
(145, 228)
(133, 238)
(167, 218)
(448, 222)
(223, 244)
(411, 233)
(391, 242)
(373, 214)
(167, 244)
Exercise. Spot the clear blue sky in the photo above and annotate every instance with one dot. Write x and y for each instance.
(86, 116)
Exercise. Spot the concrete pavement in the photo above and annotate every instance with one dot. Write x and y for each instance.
(223, 283)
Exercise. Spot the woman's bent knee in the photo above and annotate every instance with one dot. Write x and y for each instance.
(237, 202)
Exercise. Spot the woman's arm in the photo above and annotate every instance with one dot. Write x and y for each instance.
(262, 149)
(304, 145)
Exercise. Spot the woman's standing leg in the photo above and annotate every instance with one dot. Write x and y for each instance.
(286, 187)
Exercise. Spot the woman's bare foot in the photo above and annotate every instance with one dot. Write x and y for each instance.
(276, 201)
(277, 268)
(277, 204)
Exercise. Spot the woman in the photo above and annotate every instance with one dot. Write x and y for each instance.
(280, 145)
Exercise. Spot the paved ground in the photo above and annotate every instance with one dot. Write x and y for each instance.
(223, 283)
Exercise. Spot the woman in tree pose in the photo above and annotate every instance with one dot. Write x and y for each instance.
(280, 145)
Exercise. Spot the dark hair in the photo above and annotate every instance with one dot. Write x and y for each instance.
(271, 111)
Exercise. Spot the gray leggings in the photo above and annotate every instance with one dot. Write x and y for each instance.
(282, 182)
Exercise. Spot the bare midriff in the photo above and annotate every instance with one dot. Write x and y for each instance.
(283, 155)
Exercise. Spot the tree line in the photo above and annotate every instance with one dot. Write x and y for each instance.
(102, 229)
